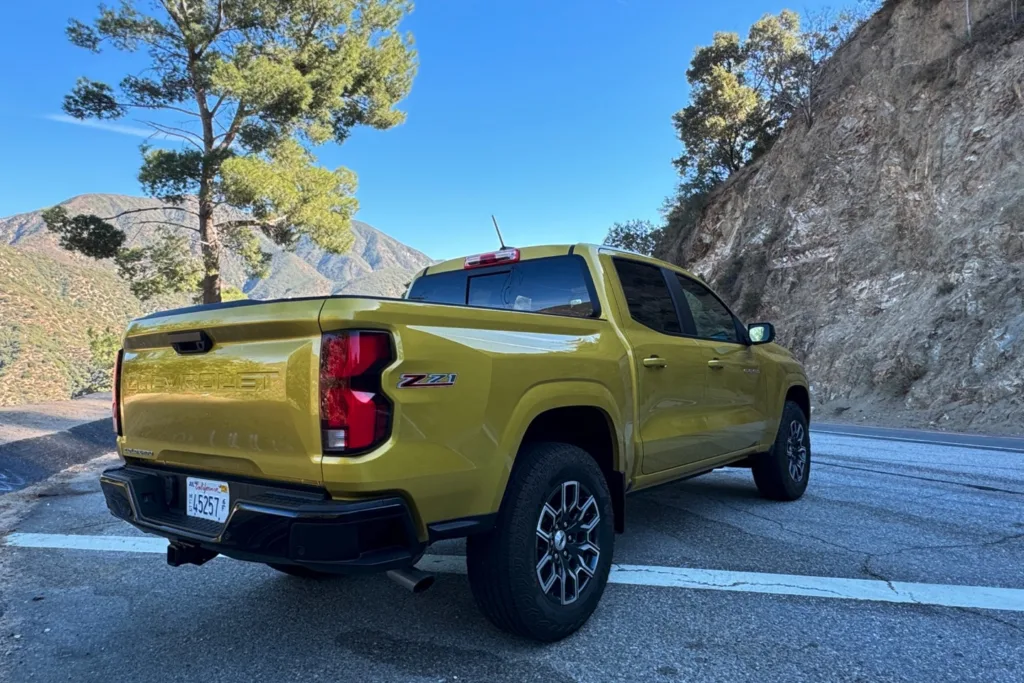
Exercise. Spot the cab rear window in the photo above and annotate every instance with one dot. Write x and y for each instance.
(557, 285)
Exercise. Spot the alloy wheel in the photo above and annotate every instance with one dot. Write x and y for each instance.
(567, 543)
(796, 450)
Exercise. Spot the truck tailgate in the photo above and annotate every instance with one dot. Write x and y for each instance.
(229, 389)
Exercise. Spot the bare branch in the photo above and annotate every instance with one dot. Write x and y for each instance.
(250, 223)
(150, 208)
(174, 132)
(232, 131)
(158, 106)
(177, 132)
(216, 30)
(220, 100)
(171, 223)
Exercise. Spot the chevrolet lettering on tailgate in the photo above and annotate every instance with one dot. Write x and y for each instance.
(207, 381)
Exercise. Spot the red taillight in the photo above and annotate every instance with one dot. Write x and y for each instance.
(354, 413)
(492, 259)
(115, 404)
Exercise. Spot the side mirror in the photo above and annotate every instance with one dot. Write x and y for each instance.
(761, 333)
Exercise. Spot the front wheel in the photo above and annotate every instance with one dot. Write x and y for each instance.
(542, 570)
(782, 473)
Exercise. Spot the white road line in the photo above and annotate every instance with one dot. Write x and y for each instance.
(943, 595)
(907, 439)
(128, 544)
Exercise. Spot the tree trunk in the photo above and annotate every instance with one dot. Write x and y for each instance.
(210, 245)
(209, 240)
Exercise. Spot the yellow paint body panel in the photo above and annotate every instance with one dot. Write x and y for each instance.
(250, 406)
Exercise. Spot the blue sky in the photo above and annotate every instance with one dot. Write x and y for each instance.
(555, 116)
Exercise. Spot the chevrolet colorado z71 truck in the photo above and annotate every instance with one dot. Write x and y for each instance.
(513, 398)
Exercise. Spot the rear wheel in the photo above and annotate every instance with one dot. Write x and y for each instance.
(782, 473)
(301, 572)
(542, 570)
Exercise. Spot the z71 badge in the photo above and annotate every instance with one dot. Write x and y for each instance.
(443, 380)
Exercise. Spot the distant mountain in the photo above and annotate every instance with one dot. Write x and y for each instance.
(49, 297)
(308, 271)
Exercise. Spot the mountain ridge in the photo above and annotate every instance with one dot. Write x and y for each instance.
(51, 297)
(372, 249)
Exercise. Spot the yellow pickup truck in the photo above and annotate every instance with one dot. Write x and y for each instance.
(513, 398)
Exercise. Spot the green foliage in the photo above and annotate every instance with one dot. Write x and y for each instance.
(10, 345)
(165, 266)
(719, 127)
(89, 235)
(98, 375)
(290, 195)
(743, 92)
(171, 175)
(230, 293)
(245, 243)
(640, 237)
(103, 345)
(259, 83)
(735, 111)
(90, 99)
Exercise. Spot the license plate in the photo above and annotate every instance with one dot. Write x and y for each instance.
(207, 499)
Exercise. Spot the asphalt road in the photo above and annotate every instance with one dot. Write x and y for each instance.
(37, 441)
(885, 513)
(27, 461)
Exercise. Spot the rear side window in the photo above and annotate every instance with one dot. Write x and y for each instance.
(710, 316)
(647, 296)
(443, 288)
(558, 285)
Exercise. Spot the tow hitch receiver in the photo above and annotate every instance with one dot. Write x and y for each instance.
(183, 553)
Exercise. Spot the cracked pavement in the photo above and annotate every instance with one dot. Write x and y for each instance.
(876, 510)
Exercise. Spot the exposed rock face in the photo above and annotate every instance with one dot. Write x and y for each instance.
(887, 240)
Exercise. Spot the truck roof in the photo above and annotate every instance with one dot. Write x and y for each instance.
(546, 250)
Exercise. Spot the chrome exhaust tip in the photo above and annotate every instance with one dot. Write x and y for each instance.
(412, 579)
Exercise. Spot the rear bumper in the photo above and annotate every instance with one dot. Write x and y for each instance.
(270, 524)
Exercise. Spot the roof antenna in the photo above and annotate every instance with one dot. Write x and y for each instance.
(498, 230)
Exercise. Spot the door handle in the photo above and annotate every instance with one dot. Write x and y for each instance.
(716, 364)
(655, 362)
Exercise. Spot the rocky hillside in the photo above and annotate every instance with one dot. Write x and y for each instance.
(49, 298)
(886, 240)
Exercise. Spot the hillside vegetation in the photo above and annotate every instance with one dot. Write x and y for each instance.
(50, 298)
(46, 307)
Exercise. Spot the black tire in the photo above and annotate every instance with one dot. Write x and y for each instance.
(503, 563)
(302, 572)
(776, 476)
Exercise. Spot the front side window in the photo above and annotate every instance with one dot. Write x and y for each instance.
(710, 317)
(647, 296)
(558, 285)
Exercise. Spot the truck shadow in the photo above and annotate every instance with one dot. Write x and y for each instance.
(440, 633)
(733, 483)
(340, 621)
